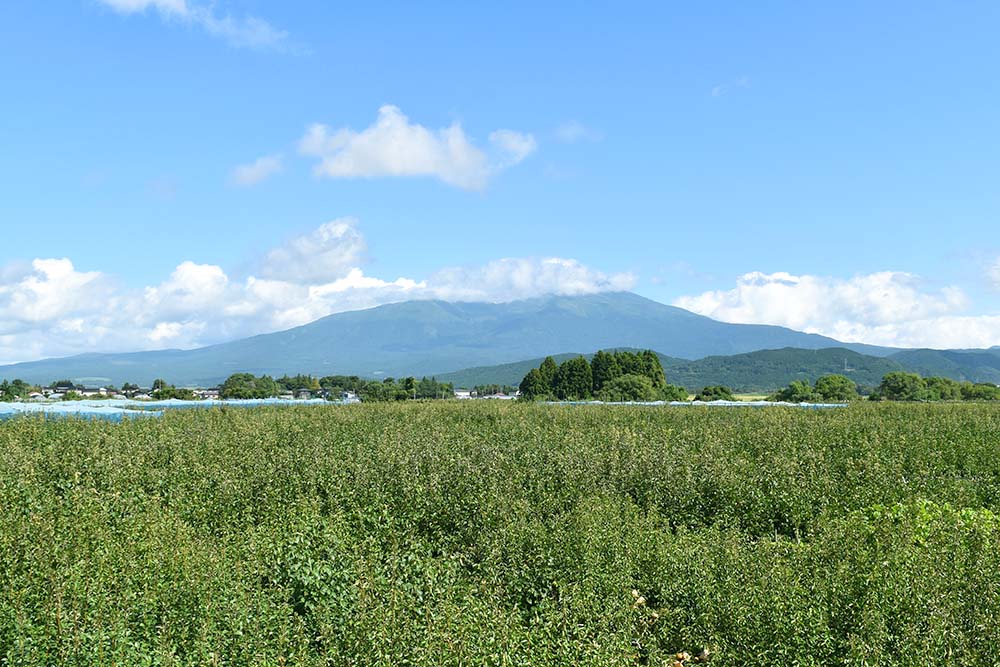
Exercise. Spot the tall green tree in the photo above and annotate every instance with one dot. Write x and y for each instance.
(533, 386)
(604, 368)
(548, 370)
(653, 368)
(574, 379)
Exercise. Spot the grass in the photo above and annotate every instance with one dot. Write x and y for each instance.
(499, 534)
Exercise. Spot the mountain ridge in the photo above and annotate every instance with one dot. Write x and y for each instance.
(425, 337)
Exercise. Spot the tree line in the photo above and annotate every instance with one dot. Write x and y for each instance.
(895, 386)
(619, 375)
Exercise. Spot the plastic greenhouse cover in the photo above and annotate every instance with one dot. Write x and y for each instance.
(115, 410)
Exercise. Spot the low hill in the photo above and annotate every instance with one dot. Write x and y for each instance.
(971, 365)
(767, 370)
(760, 371)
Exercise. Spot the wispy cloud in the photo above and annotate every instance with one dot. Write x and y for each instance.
(262, 168)
(245, 32)
(993, 273)
(730, 86)
(573, 131)
(393, 146)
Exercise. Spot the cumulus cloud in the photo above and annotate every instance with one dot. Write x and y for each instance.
(257, 171)
(325, 254)
(393, 146)
(885, 308)
(521, 278)
(49, 308)
(248, 32)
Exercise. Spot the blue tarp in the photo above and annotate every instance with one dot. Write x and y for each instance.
(73, 409)
(116, 410)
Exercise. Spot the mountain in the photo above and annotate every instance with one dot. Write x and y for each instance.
(972, 365)
(767, 370)
(425, 337)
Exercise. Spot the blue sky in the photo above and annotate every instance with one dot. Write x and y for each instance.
(831, 168)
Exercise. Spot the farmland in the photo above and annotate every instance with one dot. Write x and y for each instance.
(503, 534)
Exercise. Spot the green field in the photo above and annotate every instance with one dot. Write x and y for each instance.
(500, 534)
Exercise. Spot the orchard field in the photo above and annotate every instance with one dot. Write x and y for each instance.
(500, 534)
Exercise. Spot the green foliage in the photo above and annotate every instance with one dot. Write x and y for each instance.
(18, 390)
(534, 386)
(628, 388)
(943, 389)
(297, 383)
(503, 534)
(799, 391)
(246, 385)
(672, 392)
(900, 386)
(833, 388)
(715, 393)
(573, 380)
(604, 368)
(836, 388)
(548, 369)
(576, 379)
(339, 383)
(408, 388)
(980, 392)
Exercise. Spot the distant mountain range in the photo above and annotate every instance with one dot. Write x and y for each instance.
(435, 337)
(766, 370)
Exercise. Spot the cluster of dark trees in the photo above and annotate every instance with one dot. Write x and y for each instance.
(827, 389)
(900, 386)
(895, 386)
(608, 376)
(409, 388)
(14, 391)
(247, 385)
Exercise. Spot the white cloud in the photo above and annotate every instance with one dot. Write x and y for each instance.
(249, 32)
(520, 278)
(257, 171)
(886, 308)
(573, 131)
(393, 146)
(52, 288)
(729, 86)
(515, 146)
(48, 308)
(326, 253)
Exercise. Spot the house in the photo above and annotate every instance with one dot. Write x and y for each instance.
(349, 397)
(303, 394)
(463, 394)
